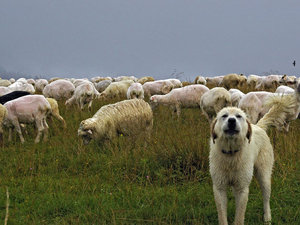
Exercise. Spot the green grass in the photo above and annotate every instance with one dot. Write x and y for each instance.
(167, 182)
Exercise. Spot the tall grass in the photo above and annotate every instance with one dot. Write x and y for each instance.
(125, 182)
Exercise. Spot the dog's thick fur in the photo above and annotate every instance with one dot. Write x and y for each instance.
(238, 150)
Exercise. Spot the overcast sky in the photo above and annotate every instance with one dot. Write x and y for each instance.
(76, 38)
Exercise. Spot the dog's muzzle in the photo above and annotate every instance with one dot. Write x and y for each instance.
(231, 127)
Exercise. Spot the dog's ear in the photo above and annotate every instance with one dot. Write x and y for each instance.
(249, 132)
(213, 133)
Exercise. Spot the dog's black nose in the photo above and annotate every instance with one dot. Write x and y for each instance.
(231, 123)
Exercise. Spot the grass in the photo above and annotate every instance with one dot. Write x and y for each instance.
(167, 182)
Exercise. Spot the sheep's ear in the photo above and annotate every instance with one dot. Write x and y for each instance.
(249, 132)
(90, 131)
(213, 133)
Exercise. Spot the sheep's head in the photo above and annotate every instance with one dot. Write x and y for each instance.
(86, 131)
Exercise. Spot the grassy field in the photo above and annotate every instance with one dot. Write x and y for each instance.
(167, 182)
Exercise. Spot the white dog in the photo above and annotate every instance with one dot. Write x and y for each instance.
(237, 150)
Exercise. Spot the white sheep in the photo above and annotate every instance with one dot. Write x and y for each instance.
(135, 91)
(84, 94)
(236, 96)
(213, 101)
(28, 109)
(116, 90)
(59, 89)
(129, 117)
(253, 104)
(159, 87)
(3, 114)
(200, 80)
(285, 89)
(102, 85)
(55, 111)
(40, 84)
(185, 97)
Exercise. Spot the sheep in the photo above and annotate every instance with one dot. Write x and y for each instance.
(213, 101)
(236, 96)
(129, 117)
(99, 79)
(185, 97)
(83, 94)
(4, 91)
(253, 80)
(253, 104)
(123, 78)
(233, 80)
(3, 114)
(268, 82)
(157, 87)
(12, 95)
(55, 111)
(40, 85)
(135, 91)
(102, 85)
(22, 85)
(4, 83)
(200, 80)
(143, 80)
(288, 80)
(285, 89)
(214, 81)
(28, 109)
(176, 83)
(59, 89)
(116, 90)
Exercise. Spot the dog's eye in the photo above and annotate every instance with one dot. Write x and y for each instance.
(224, 116)
(238, 116)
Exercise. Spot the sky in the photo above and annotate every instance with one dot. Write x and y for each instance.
(76, 38)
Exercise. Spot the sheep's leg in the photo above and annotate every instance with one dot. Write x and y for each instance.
(9, 134)
(40, 128)
(18, 129)
(46, 127)
(90, 105)
(178, 110)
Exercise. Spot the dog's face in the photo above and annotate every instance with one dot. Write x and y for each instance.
(231, 122)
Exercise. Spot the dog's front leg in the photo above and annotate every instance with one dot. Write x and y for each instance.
(221, 203)
(241, 199)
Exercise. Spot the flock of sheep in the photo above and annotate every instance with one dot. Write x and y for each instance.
(20, 103)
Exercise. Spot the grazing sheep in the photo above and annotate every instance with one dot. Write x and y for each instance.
(236, 96)
(116, 90)
(253, 104)
(185, 97)
(214, 81)
(102, 85)
(123, 78)
(200, 80)
(268, 82)
(59, 89)
(83, 94)
(288, 80)
(284, 90)
(143, 80)
(159, 87)
(4, 91)
(234, 80)
(3, 114)
(22, 85)
(28, 109)
(12, 95)
(4, 83)
(176, 83)
(253, 80)
(129, 117)
(40, 84)
(55, 111)
(135, 91)
(213, 101)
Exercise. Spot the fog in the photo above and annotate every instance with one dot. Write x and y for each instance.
(75, 38)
